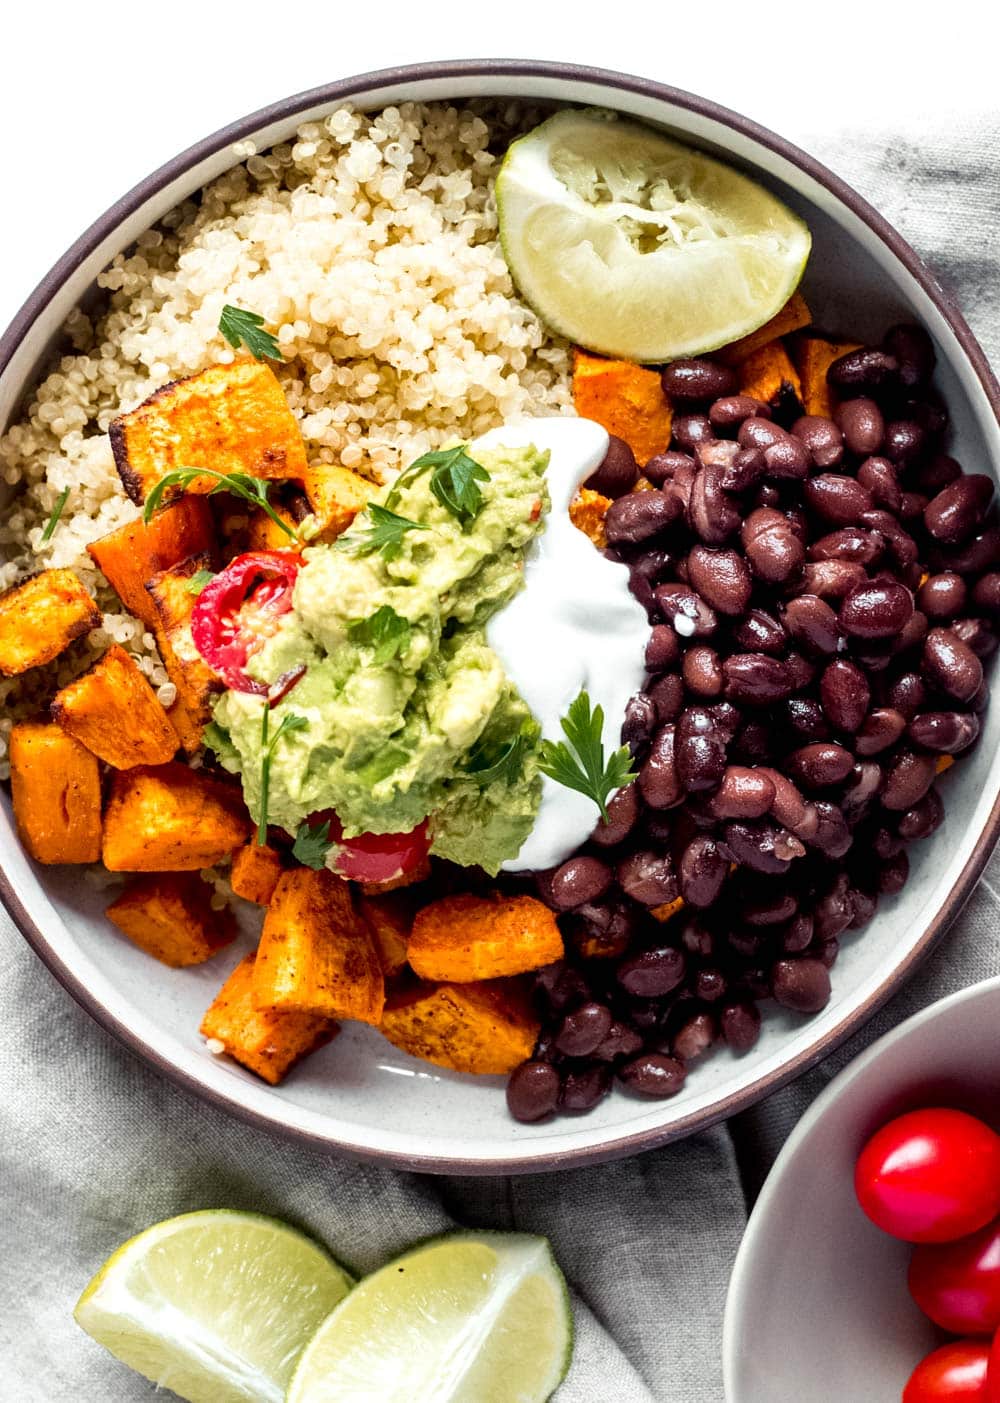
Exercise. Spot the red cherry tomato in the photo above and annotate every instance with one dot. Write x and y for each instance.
(955, 1373)
(930, 1176)
(238, 611)
(993, 1373)
(957, 1284)
(375, 857)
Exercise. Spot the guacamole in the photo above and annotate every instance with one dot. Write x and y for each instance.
(418, 720)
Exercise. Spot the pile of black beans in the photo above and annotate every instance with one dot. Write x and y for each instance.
(822, 593)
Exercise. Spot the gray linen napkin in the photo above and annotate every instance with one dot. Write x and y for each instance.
(94, 1147)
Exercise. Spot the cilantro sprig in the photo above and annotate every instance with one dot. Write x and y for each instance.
(54, 515)
(385, 631)
(454, 481)
(252, 489)
(384, 535)
(580, 764)
(312, 843)
(238, 325)
(487, 763)
(289, 723)
(198, 581)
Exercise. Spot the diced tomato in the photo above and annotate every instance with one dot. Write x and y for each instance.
(239, 610)
(375, 857)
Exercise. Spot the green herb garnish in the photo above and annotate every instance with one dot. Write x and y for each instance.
(289, 723)
(487, 763)
(385, 535)
(54, 515)
(385, 631)
(312, 844)
(251, 489)
(580, 765)
(454, 481)
(198, 581)
(236, 325)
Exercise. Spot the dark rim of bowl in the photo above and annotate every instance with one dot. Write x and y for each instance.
(617, 1145)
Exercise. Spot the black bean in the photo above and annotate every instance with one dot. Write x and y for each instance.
(713, 513)
(663, 650)
(860, 421)
(699, 751)
(648, 877)
(864, 370)
(532, 1091)
(875, 610)
(761, 846)
(955, 513)
(893, 874)
(619, 471)
(582, 1089)
(798, 934)
(831, 836)
(602, 930)
(702, 870)
(653, 1074)
(667, 694)
(904, 441)
(908, 776)
(880, 729)
(740, 1026)
(639, 724)
(721, 578)
(851, 543)
(729, 411)
(742, 793)
(944, 732)
(834, 909)
(845, 694)
(823, 439)
(579, 880)
(561, 985)
(755, 678)
(684, 608)
(772, 547)
(923, 819)
(639, 516)
(748, 466)
(702, 671)
(663, 467)
(986, 592)
(698, 380)
(623, 813)
(913, 352)
(621, 1041)
(976, 634)
(770, 907)
(859, 794)
(980, 553)
(690, 430)
(838, 498)
(659, 784)
(831, 579)
(801, 984)
(942, 596)
(907, 694)
(882, 481)
(951, 665)
(583, 1029)
(649, 974)
(695, 1037)
(820, 764)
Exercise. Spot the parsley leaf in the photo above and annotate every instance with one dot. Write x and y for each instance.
(489, 762)
(238, 325)
(54, 515)
(312, 844)
(385, 535)
(580, 765)
(198, 581)
(251, 489)
(454, 481)
(385, 631)
(289, 723)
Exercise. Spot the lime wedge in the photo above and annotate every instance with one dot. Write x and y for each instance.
(216, 1305)
(635, 246)
(468, 1318)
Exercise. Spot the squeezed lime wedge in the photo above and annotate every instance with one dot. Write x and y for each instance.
(633, 245)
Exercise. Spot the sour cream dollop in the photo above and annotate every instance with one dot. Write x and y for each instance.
(574, 627)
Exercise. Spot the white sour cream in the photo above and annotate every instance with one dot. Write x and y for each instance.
(574, 627)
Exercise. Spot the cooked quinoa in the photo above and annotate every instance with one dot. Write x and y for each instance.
(369, 245)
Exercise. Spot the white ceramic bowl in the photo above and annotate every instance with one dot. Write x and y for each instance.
(818, 1310)
(359, 1095)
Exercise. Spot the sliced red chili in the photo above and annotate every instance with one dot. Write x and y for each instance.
(239, 610)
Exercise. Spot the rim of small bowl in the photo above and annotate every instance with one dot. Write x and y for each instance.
(860, 1067)
(616, 1145)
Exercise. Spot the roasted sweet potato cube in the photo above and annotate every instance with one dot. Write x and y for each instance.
(133, 554)
(170, 916)
(188, 727)
(587, 512)
(173, 605)
(262, 533)
(766, 372)
(40, 617)
(56, 793)
(264, 1040)
(113, 711)
(481, 1028)
(171, 819)
(255, 872)
(464, 939)
(813, 357)
(229, 418)
(627, 399)
(390, 920)
(336, 495)
(793, 315)
(316, 954)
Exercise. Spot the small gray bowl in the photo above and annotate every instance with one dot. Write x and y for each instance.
(359, 1095)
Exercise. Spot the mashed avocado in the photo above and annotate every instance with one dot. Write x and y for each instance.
(435, 729)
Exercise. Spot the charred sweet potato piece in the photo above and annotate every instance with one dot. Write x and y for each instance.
(56, 793)
(40, 617)
(464, 939)
(170, 916)
(262, 1039)
(173, 605)
(133, 554)
(481, 1028)
(813, 357)
(627, 399)
(171, 819)
(336, 495)
(255, 872)
(113, 711)
(587, 512)
(768, 372)
(188, 727)
(229, 418)
(316, 954)
(390, 920)
(793, 315)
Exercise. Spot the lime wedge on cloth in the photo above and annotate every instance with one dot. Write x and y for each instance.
(216, 1306)
(635, 246)
(468, 1318)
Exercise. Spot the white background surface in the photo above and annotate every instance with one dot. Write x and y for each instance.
(96, 95)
